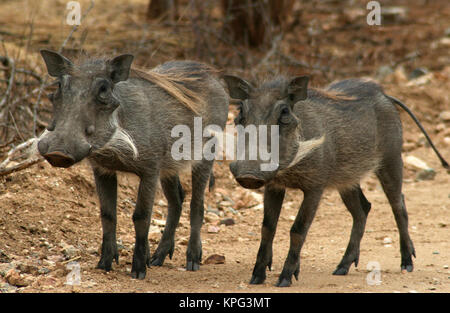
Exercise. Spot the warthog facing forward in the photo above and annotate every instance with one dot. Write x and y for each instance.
(122, 123)
(327, 138)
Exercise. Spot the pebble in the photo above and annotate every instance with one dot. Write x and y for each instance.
(416, 162)
(427, 174)
(4, 258)
(14, 278)
(211, 217)
(445, 266)
(387, 240)
(445, 116)
(215, 259)
(157, 222)
(258, 207)
(417, 73)
(70, 251)
(213, 229)
(228, 221)
(7, 288)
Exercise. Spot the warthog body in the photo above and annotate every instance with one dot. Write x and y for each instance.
(328, 138)
(123, 122)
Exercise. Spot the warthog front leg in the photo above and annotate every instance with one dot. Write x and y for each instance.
(107, 193)
(141, 219)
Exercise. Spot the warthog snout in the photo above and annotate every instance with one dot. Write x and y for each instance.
(59, 159)
(59, 156)
(249, 181)
(247, 178)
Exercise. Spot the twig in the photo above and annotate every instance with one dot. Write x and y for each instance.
(71, 260)
(8, 61)
(15, 126)
(23, 165)
(23, 146)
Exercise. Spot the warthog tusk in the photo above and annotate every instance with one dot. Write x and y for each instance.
(304, 148)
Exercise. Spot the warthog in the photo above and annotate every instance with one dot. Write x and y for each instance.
(327, 138)
(122, 122)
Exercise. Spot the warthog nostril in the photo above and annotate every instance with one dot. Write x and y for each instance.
(250, 181)
(43, 146)
(59, 159)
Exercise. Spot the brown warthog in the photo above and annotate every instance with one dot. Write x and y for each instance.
(123, 122)
(327, 138)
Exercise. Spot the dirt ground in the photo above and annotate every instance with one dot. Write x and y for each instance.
(49, 217)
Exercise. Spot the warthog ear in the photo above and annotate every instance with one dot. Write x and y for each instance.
(120, 67)
(237, 87)
(57, 65)
(298, 88)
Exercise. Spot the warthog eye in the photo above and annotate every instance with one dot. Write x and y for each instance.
(284, 116)
(102, 93)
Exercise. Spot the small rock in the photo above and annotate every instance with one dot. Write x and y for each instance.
(215, 259)
(14, 278)
(258, 197)
(416, 162)
(417, 73)
(421, 80)
(28, 268)
(258, 207)
(43, 270)
(440, 127)
(445, 266)
(225, 204)
(70, 251)
(445, 116)
(4, 258)
(7, 288)
(46, 282)
(447, 141)
(213, 229)
(227, 222)
(427, 174)
(157, 222)
(162, 203)
(435, 252)
(5, 267)
(211, 217)
(387, 240)
(183, 241)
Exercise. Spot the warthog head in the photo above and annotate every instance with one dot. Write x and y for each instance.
(84, 106)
